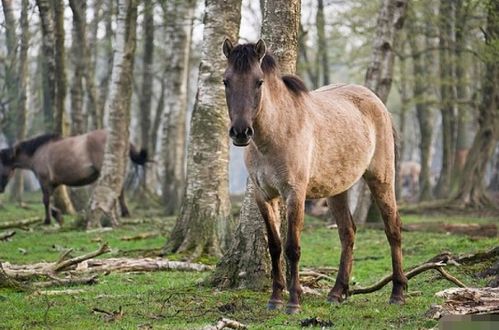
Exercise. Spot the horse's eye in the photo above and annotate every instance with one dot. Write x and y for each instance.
(226, 83)
(259, 83)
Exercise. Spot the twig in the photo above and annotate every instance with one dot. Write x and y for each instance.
(20, 223)
(6, 235)
(139, 236)
(451, 278)
(66, 263)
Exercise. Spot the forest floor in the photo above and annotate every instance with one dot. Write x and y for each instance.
(177, 300)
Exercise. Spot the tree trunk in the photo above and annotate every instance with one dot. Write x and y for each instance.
(379, 74)
(61, 196)
(48, 67)
(106, 81)
(22, 95)
(447, 98)
(79, 9)
(178, 17)
(204, 224)
(147, 76)
(404, 109)
(322, 42)
(247, 262)
(9, 127)
(423, 113)
(471, 191)
(110, 183)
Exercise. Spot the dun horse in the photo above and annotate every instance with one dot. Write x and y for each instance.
(303, 144)
(71, 161)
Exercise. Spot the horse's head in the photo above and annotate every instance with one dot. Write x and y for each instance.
(243, 81)
(6, 167)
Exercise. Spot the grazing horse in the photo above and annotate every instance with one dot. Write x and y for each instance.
(303, 144)
(72, 161)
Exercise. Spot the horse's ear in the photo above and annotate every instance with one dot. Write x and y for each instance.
(261, 49)
(227, 47)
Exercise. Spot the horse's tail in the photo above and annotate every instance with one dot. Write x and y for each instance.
(396, 146)
(138, 157)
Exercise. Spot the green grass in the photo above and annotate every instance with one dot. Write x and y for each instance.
(176, 300)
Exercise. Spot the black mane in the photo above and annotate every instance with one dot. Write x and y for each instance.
(6, 156)
(30, 146)
(243, 56)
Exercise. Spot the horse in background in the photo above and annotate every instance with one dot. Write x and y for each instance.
(72, 161)
(302, 144)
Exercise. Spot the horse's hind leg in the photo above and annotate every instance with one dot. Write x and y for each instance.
(272, 224)
(384, 195)
(124, 208)
(46, 203)
(346, 229)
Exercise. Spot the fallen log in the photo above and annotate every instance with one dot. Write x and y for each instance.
(464, 301)
(20, 223)
(138, 265)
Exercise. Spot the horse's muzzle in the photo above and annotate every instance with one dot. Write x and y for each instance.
(241, 137)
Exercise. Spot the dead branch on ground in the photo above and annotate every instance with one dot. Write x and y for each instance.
(139, 265)
(226, 323)
(140, 236)
(463, 301)
(6, 235)
(20, 223)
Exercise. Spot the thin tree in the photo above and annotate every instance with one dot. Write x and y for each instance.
(178, 16)
(204, 223)
(379, 73)
(247, 262)
(322, 56)
(110, 184)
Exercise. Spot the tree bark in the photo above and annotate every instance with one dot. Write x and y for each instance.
(48, 67)
(204, 224)
(423, 113)
(178, 17)
(322, 42)
(447, 98)
(247, 262)
(471, 191)
(379, 74)
(110, 183)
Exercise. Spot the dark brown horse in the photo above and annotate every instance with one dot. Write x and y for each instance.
(72, 161)
(303, 144)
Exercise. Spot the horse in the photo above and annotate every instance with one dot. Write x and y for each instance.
(310, 144)
(73, 161)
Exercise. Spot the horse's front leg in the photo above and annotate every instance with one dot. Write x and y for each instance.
(295, 204)
(272, 224)
(46, 203)
(124, 208)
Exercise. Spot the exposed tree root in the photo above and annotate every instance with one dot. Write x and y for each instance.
(20, 223)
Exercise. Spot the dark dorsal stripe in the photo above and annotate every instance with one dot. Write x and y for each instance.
(29, 147)
(242, 57)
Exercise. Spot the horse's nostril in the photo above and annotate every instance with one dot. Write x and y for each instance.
(248, 132)
(232, 132)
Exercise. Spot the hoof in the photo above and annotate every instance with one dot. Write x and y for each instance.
(397, 300)
(274, 304)
(292, 309)
(335, 299)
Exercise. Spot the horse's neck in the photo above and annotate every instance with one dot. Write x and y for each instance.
(276, 116)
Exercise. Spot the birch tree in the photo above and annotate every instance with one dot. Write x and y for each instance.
(110, 184)
(379, 73)
(178, 18)
(247, 262)
(204, 223)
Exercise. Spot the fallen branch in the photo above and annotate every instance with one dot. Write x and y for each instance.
(67, 281)
(58, 292)
(139, 236)
(139, 265)
(62, 264)
(410, 274)
(8, 282)
(451, 278)
(6, 235)
(226, 323)
(20, 224)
